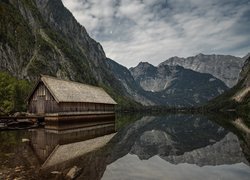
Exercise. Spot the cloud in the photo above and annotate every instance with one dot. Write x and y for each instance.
(131, 31)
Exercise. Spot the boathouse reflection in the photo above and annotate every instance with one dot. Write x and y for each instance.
(62, 141)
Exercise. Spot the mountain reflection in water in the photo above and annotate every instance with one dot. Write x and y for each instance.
(176, 146)
(179, 147)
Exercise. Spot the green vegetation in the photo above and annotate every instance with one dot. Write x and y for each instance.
(15, 32)
(225, 102)
(12, 94)
(244, 107)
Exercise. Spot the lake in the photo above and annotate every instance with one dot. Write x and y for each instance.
(172, 146)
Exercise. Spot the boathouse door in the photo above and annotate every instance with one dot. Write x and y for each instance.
(41, 104)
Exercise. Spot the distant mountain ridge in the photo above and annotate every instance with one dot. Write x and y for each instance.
(175, 85)
(225, 67)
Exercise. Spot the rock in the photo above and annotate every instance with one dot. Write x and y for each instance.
(18, 169)
(25, 140)
(73, 172)
(18, 178)
(55, 175)
(2, 125)
(19, 114)
(25, 121)
(55, 172)
(245, 73)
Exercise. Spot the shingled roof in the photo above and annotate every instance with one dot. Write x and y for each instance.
(69, 91)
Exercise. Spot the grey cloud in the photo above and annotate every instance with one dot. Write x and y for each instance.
(144, 30)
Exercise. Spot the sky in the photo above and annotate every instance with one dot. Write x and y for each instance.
(132, 31)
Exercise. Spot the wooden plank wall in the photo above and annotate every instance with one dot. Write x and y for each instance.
(83, 107)
(42, 95)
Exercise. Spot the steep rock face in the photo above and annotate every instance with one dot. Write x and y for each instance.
(63, 21)
(42, 37)
(151, 78)
(243, 87)
(31, 44)
(223, 67)
(175, 85)
(245, 73)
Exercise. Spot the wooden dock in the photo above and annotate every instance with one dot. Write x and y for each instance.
(20, 117)
(63, 116)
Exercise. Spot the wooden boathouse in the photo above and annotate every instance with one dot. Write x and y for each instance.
(56, 99)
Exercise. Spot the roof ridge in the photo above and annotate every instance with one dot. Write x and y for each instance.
(66, 80)
(71, 91)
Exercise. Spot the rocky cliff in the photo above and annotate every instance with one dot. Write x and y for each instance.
(245, 73)
(30, 45)
(175, 85)
(243, 92)
(223, 67)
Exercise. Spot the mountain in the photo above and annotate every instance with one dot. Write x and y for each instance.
(224, 67)
(238, 97)
(42, 37)
(175, 85)
(132, 88)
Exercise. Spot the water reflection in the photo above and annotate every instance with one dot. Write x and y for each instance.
(155, 168)
(168, 135)
(16, 158)
(60, 142)
(239, 126)
(177, 146)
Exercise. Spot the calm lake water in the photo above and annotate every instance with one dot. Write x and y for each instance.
(175, 146)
